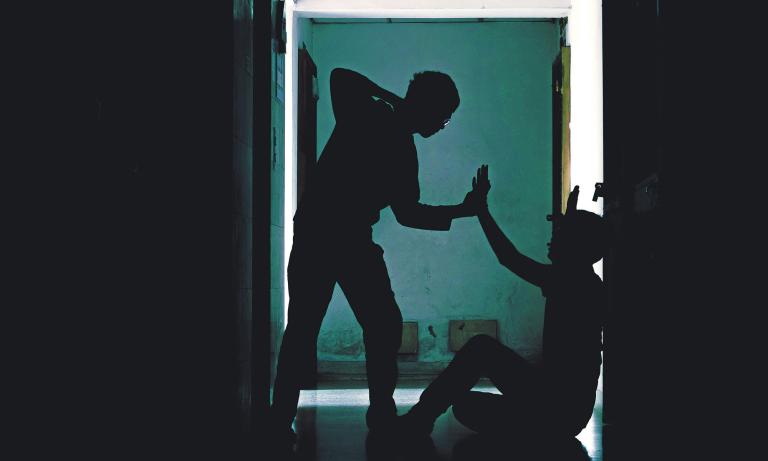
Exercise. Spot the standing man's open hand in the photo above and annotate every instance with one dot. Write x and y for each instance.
(477, 199)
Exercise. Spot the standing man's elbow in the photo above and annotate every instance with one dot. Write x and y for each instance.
(503, 261)
(339, 75)
(506, 261)
(336, 75)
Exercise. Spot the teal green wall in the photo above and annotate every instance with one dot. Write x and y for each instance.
(503, 74)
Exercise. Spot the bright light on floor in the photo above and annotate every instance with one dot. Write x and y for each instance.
(359, 397)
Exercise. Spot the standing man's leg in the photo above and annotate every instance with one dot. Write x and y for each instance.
(365, 282)
(311, 278)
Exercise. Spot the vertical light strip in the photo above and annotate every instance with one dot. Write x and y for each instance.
(585, 32)
(290, 146)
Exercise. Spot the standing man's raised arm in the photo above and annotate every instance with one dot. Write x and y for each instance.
(350, 90)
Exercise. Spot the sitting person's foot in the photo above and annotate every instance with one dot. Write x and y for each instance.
(417, 449)
(400, 443)
(414, 425)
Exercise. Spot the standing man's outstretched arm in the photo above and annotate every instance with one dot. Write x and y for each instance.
(411, 213)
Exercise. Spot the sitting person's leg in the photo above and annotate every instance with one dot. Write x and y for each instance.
(488, 413)
(482, 412)
(482, 356)
(528, 414)
(517, 427)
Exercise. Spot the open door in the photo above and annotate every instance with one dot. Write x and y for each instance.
(307, 154)
(307, 122)
(561, 131)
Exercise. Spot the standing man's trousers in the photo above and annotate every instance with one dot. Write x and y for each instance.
(357, 264)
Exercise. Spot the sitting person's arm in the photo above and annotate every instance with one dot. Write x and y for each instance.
(508, 255)
(351, 90)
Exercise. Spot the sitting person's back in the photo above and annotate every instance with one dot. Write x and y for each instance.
(572, 340)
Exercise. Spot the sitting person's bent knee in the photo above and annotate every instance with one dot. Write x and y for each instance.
(480, 342)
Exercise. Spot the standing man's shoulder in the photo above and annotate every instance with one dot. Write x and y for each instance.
(387, 121)
(383, 112)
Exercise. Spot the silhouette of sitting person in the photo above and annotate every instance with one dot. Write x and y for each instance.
(556, 397)
(368, 163)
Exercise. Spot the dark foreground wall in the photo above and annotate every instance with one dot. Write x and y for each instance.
(147, 230)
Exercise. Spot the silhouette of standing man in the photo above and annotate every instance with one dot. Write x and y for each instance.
(369, 163)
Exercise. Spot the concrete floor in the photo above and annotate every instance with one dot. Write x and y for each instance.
(331, 426)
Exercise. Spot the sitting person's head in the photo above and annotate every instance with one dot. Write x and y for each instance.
(431, 99)
(579, 238)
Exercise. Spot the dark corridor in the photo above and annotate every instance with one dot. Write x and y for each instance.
(158, 342)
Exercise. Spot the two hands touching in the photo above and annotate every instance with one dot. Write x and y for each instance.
(476, 200)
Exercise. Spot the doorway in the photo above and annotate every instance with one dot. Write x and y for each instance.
(586, 154)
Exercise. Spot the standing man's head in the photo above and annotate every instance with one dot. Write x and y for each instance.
(430, 101)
